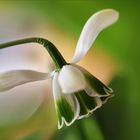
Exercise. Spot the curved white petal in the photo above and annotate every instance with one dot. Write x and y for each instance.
(18, 104)
(67, 106)
(71, 79)
(14, 78)
(92, 28)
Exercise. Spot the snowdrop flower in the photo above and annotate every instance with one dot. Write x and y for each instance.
(77, 93)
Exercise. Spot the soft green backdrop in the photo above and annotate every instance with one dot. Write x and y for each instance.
(120, 118)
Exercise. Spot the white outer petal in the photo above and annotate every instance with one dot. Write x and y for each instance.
(71, 79)
(25, 56)
(14, 78)
(92, 28)
(18, 104)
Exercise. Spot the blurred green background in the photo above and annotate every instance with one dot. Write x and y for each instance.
(61, 22)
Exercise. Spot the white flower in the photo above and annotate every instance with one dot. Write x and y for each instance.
(77, 93)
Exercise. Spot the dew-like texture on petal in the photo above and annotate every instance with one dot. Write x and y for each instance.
(67, 106)
(95, 24)
(13, 78)
(71, 79)
(87, 103)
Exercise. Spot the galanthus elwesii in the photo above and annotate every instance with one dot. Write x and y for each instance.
(77, 93)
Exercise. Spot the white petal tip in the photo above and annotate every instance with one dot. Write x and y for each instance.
(113, 14)
(95, 24)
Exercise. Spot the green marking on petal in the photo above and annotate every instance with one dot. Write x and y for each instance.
(64, 110)
(83, 108)
(87, 103)
(59, 116)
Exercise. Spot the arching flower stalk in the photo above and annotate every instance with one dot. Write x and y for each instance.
(77, 93)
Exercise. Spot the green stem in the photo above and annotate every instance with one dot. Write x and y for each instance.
(52, 50)
(82, 132)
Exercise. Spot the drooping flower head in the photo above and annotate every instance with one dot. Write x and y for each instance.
(77, 93)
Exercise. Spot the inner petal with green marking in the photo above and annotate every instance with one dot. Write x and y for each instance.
(67, 109)
(87, 103)
(64, 110)
(67, 106)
